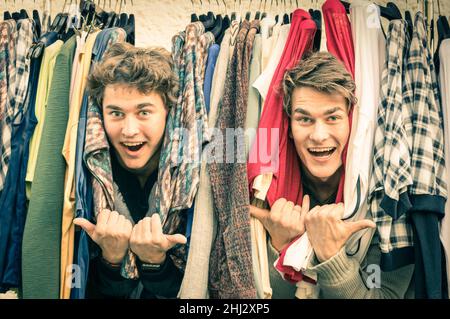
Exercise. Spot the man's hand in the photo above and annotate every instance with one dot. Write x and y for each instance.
(112, 233)
(284, 221)
(328, 233)
(149, 243)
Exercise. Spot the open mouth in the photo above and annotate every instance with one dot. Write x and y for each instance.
(133, 147)
(321, 151)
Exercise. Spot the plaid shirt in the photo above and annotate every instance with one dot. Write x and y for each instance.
(425, 125)
(8, 39)
(392, 172)
(27, 35)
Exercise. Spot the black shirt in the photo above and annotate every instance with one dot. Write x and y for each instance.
(136, 197)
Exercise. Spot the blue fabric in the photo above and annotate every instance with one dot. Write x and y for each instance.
(83, 186)
(13, 198)
(213, 52)
(428, 280)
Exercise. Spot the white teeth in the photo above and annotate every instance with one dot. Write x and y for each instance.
(132, 144)
(321, 149)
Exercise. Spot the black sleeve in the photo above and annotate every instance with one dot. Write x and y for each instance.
(106, 281)
(162, 283)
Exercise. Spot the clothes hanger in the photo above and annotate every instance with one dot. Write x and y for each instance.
(317, 17)
(23, 14)
(409, 22)
(194, 17)
(248, 13)
(346, 6)
(390, 12)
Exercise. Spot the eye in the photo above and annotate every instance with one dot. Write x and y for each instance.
(144, 113)
(116, 113)
(304, 120)
(333, 118)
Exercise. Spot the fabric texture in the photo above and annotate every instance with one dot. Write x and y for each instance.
(392, 161)
(8, 41)
(230, 272)
(204, 224)
(42, 232)
(428, 192)
(12, 201)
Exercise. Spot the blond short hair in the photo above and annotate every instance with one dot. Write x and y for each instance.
(320, 71)
(145, 69)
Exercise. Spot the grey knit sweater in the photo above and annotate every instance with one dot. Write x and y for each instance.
(342, 277)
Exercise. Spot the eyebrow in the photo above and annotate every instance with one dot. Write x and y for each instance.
(327, 112)
(139, 106)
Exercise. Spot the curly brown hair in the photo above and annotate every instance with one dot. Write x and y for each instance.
(145, 69)
(320, 71)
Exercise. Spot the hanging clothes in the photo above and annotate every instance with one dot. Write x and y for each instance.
(230, 264)
(204, 225)
(267, 25)
(444, 76)
(41, 238)
(391, 161)
(12, 203)
(69, 151)
(186, 132)
(370, 47)
(7, 94)
(83, 186)
(213, 53)
(428, 192)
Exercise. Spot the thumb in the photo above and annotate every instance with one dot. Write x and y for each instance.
(86, 225)
(175, 239)
(354, 227)
(259, 213)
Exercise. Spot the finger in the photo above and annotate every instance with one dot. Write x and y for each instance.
(304, 209)
(113, 218)
(145, 229)
(172, 240)
(354, 227)
(338, 211)
(156, 227)
(278, 206)
(102, 218)
(259, 213)
(86, 225)
(287, 213)
(276, 212)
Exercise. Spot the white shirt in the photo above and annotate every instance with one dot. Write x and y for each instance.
(262, 83)
(370, 46)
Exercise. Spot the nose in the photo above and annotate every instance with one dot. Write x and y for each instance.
(320, 133)
(131, 127)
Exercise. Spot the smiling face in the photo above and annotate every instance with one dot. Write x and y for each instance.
(320, 128)
(135, 125)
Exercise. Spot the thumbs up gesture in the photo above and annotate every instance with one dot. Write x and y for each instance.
(112, 233)
(328, 233)
(284, 221)
(149, 243)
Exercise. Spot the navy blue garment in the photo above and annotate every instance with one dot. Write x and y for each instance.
(83, 186)
(213, 52)
(13, 198)
(428, 255)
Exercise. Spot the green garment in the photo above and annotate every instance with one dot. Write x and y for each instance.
(42, 235)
